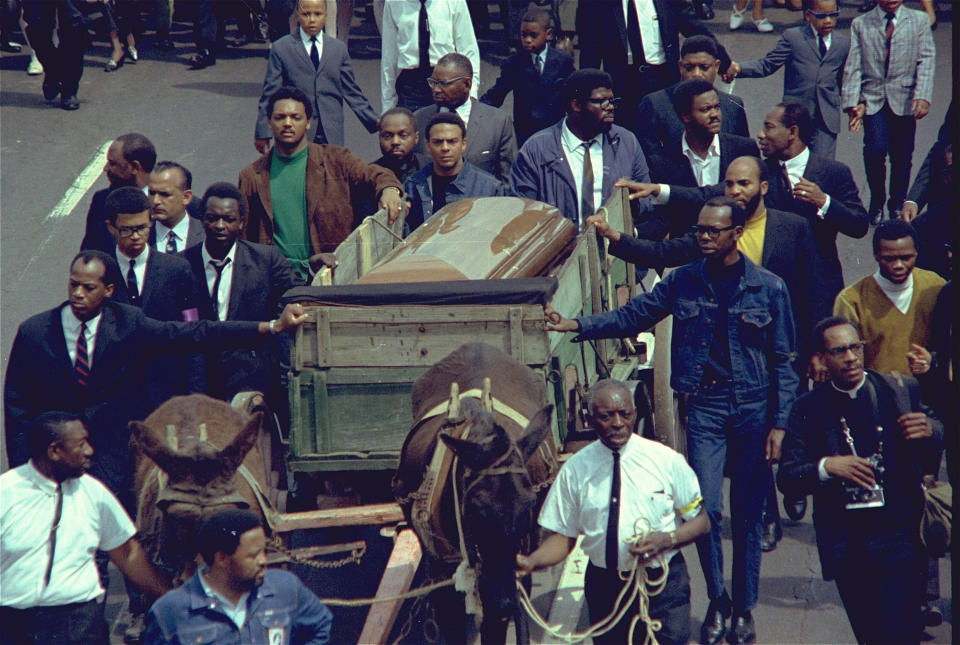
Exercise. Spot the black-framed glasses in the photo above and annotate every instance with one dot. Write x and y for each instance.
(821, 16)
(434, 83)
(612, 100)
(856, 348)
(128, 231)
(710, 231)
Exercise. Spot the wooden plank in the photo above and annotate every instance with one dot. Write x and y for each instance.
(396, 580)
(348, 516)
(516, 333)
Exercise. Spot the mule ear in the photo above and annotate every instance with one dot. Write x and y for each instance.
(233, 455)
(160, 452)
(473, 453)
(536, 432)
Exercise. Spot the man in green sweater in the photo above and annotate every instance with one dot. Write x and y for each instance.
(299, 194)
(893, 305)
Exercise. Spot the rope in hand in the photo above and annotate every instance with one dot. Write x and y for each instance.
(638, 587)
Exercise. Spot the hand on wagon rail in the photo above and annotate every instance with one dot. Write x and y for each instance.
(638, 189)
(392, 200)
(556, 322)
(292, 316)
(603, 227)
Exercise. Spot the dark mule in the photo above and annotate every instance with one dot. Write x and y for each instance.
(505, 464)
(188, 453)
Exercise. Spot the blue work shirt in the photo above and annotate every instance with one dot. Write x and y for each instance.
(281, 611)
(760, 330)
(469, 182)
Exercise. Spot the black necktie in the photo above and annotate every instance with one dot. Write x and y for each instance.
(132, 282)
(58, 511)
(889, 37)
(218, 266)
(586, 184)
(538, 63)
(314, 53)
(423, 38)
(633, 33)
(171, 242)
(612, 546)
(823, 47)
(785, 181)
(81, 365)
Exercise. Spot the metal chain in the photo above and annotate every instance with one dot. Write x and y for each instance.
(355, 556)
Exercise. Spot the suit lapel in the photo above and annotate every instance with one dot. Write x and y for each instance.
(106, 332)
(474, 130)
(324, 57)
(58, 343)
(195, 233)
(237, 282)
(262, 170)
(149, 278)
(621, 23)
(770, 234)
(812, 40)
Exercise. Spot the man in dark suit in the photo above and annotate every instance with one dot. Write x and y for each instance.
(659, 126)
(491, 141)
(89, 356)
(170, 189)
(698, 158)
(62, 63)
(158, 283)
(130, 160)
(639, 49)
(241, 281)
(535, 76)
(832, 434)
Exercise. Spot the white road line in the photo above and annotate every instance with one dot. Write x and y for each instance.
(80, 185)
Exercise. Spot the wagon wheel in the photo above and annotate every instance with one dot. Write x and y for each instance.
(270, 444)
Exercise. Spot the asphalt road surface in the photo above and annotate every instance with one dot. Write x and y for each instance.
(204, 119)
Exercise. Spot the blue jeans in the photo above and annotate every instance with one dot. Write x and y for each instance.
(721, 434)
(885, 133)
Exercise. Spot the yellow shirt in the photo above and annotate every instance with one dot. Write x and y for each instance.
(751, 242)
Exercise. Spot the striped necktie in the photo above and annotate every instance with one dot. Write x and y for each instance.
(171, 242)
(81, 366)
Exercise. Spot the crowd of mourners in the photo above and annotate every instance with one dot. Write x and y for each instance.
(788, 377)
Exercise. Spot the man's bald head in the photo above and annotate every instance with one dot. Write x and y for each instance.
(746, 182)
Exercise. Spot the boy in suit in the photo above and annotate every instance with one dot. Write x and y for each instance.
(887, 87)
(814, 57)
(320, 67)
(535, 76)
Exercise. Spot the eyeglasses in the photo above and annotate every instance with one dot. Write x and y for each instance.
(856, 348)
(127, 231)
(821, 16)
(613, 100)
(434, 83)
(710, 231)
(213, 219)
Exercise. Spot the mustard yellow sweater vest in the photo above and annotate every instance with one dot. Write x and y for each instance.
(888, 332)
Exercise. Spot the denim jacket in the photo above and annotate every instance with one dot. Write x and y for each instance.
(761, 332)
(281, 611)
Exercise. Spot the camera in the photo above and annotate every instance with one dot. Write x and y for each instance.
(859, 497)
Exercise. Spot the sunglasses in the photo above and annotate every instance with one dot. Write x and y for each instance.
(822, 16)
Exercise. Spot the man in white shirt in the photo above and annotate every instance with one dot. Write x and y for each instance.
(53, 518)
(416, 34)
(607, 492)
(170, 192)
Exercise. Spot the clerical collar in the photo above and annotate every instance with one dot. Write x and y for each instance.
(852, 392)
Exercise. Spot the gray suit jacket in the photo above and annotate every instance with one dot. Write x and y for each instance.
(912, 62)
(491, 140)
(328, 86)
(809, 79)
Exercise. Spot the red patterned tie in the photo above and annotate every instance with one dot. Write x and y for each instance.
(889, 38)
(81, 366)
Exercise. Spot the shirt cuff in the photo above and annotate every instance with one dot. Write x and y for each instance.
(822, 211)
(822, 471)
(663, 197)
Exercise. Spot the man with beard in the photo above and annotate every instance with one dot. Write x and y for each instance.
(733, 344)
(234, 597)
(130, 160)
(53, 518)
(574, 163)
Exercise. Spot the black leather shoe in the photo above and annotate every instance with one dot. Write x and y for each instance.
(742, 631)
(204, 59)
(70, 102)
(772, 533)
(876, 216)
(714, 624)
(705, 11)
(165, 44)
(50, 90)
(795, 508)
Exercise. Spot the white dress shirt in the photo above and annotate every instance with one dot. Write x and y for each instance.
(308, 44)
(826, 39)
(71, 332)
(139, 267)
(226, 280)
(180, 232)
(656, 485)
(706, 170)
(91, 519)
(463, 111)
(649, 32)
(450, 31)
(237, 613)
(573, 149)
(901, 295)
(795, 168)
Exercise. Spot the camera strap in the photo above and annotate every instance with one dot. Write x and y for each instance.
(875, 417)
